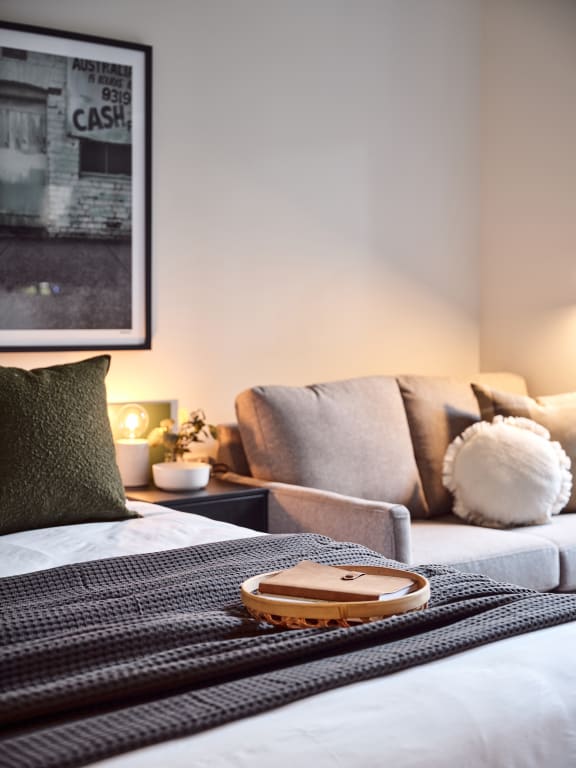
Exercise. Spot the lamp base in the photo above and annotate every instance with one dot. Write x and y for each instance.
(133, 459)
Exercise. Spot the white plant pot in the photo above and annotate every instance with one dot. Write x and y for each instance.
(181, 475)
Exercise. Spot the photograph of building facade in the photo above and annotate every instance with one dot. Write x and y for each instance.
(65, 192)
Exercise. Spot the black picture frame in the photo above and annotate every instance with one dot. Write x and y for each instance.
(75, 191)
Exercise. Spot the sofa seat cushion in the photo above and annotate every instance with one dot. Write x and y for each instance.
(562, 533)
(516, 556)
(350, 437)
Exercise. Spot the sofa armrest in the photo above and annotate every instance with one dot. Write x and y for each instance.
(378, 525)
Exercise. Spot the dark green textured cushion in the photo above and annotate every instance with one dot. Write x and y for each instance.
(57, 459)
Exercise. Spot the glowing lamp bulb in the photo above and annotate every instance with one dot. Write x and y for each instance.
(132, 421)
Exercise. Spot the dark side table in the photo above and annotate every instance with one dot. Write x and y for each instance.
(227, 502)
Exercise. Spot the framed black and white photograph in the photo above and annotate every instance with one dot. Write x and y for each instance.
(75, 191)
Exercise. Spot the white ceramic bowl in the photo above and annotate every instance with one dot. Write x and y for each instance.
(181, 475)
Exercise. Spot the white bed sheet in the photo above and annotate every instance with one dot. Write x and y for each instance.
(158, 529)
(510, 704)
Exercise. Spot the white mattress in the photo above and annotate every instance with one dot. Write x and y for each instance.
(510, 704)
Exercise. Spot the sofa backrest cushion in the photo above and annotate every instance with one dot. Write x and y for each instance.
(439, 409)
(350, 437)
(557, 413)
(230, 451)
(504, 381)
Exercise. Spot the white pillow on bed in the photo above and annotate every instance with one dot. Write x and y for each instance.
(506, 473)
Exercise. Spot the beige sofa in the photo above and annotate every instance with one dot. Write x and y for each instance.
(361, 460)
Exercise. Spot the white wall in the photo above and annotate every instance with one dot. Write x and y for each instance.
(528, 112)
(315, 190)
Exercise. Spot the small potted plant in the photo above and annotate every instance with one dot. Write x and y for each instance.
(177, 444)
(176, 473)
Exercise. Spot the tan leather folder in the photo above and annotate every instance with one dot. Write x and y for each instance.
(327, 582)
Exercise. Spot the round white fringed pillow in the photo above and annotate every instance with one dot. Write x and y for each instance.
(506, 473)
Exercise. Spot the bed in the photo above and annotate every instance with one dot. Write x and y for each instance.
(124, 642)
(507, 703)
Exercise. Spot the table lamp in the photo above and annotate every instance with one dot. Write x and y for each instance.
(132, 450)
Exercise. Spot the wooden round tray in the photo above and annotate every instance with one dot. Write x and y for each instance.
(300, 614)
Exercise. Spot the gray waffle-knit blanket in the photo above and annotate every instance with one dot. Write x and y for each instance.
(103, 657)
